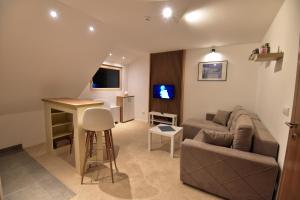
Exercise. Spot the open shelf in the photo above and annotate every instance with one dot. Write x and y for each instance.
(60, 135)
(266, 57)
(162, 121)
(62, 124)
(62, 128)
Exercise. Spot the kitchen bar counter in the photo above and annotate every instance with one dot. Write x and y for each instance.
(63, 117)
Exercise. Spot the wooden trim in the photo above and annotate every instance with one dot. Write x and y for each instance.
(167, 68)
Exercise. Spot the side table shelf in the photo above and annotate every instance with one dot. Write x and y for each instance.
(162, 118)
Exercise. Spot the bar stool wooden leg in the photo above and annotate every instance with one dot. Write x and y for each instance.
(87, 146)
(91, 140)
(113, 150)
(108, 142)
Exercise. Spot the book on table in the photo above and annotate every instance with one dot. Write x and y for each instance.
(166, 128)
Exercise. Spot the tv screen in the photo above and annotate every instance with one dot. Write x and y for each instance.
(163, 91)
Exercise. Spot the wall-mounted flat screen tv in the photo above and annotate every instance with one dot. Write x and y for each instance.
(161, 91)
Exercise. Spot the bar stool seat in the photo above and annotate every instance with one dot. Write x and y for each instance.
(97, 120)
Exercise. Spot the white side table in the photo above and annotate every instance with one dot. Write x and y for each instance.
(170, 134)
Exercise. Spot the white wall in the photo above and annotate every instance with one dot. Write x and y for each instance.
(138, 85)
(41, 57)
(276, 81)
(201, 97)
(22, 128)
(106, 95)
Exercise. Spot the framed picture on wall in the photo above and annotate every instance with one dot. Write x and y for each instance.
(212, 71)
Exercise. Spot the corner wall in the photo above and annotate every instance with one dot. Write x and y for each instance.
(138, 85)
(23, 128)
(276, 81)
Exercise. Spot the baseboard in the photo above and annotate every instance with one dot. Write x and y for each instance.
(15, 148)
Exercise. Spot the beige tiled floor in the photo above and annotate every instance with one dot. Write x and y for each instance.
(143, 174)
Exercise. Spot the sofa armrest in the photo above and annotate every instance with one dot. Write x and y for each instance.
(227, 172)
(210, 116)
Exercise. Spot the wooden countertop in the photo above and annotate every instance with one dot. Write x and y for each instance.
(73, 102)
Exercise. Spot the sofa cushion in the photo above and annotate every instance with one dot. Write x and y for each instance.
(218, 138)
(243, 133)
(221, 117)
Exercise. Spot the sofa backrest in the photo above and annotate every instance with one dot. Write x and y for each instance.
(263, 142)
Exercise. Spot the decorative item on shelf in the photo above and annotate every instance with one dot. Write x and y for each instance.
(267, 45)
(212, 71)
(125, 93)
(264, 54)
(264, 49)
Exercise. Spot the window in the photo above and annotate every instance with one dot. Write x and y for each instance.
(107, 77)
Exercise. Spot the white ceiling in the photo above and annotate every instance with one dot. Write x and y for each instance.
(222, 22)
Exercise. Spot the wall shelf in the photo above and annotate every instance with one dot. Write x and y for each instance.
(266, 57)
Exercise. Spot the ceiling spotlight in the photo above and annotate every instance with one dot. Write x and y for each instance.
(192, 17)
(53, 14)
(110, 54)
(167, 12)
(123, 57)
(91, 28)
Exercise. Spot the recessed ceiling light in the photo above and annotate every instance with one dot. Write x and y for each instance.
(53, 14)
(192, 17)
(167, 12)
(91, 28)
(123, 57)
(110, 54)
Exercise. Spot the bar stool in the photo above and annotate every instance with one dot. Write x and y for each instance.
(98, 120)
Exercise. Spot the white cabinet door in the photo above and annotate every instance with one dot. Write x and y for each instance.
(128, 108)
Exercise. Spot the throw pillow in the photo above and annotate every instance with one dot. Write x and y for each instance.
(218, 138)
(242, 139)
(221, 117)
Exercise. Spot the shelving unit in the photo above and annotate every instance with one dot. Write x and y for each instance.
(162, 118)
(266, 57)
(62, 128)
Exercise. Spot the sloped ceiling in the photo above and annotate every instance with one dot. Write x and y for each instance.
(41, 57)
(221, 22)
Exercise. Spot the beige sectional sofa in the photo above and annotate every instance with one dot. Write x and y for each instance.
(230, 172)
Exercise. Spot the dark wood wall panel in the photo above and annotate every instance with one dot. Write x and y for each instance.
(167, 68)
